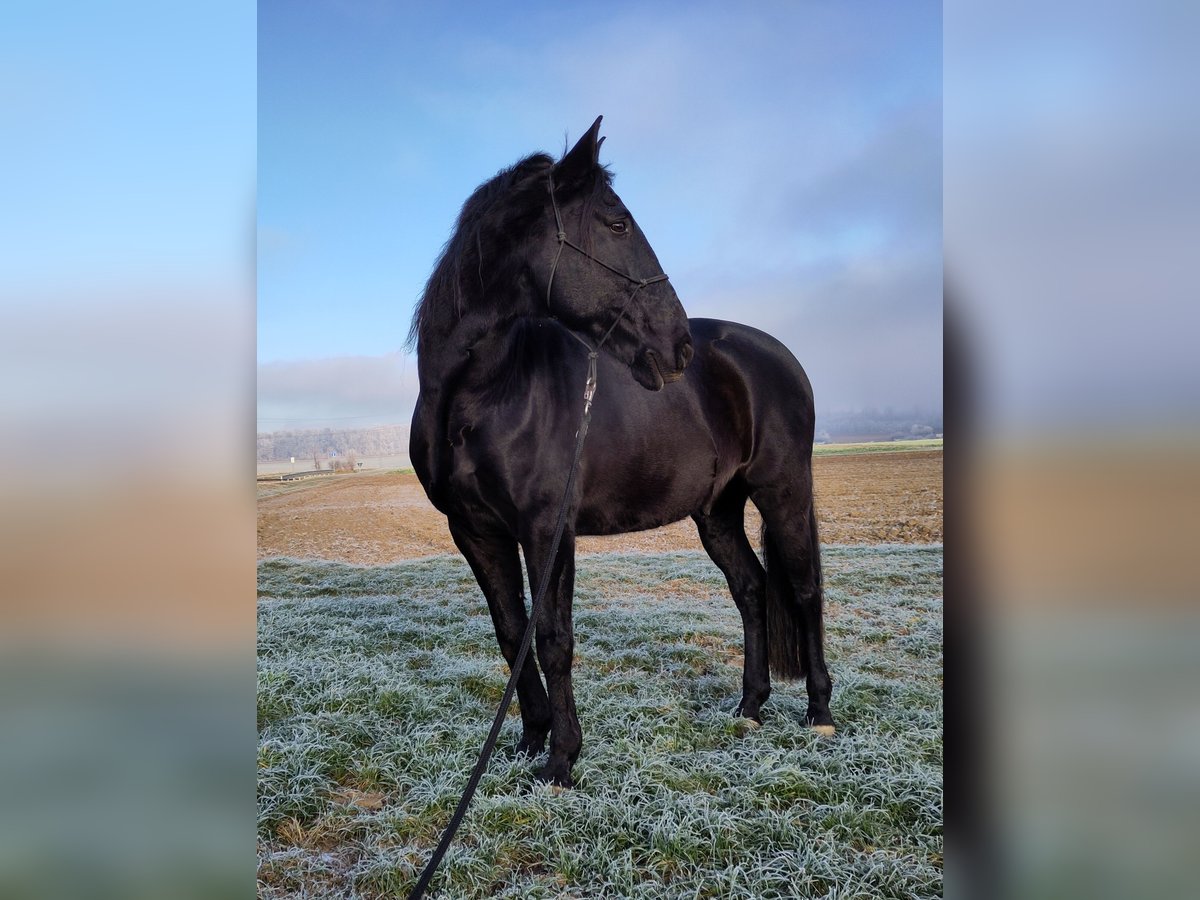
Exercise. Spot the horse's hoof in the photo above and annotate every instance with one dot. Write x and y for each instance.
(529, 746)
(820, 721)
(555, 776)
(752, 717)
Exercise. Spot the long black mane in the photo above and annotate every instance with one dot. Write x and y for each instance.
(478, 265)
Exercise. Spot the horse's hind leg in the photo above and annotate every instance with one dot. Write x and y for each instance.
(723, 534)
(795, 594)
(497, 567)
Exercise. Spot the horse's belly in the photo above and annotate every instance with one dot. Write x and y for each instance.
(647, 492)
(622, 521)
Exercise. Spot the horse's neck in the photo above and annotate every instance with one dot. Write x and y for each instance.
(442, 358)
(467, 362)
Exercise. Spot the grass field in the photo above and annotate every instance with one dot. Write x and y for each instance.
(877, 447)
(377, 685)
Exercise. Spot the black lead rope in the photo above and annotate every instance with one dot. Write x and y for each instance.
(490, 744)
(589, 392)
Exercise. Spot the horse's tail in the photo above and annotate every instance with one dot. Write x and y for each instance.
(787, 645)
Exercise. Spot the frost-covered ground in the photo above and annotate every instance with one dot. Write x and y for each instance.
(377, 686)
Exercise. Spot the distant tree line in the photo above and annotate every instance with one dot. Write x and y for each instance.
(392, 440)
(329, 443)
(878, 424)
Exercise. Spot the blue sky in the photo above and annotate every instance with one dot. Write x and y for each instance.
(126, 147)
(784, 159)
(127, 228)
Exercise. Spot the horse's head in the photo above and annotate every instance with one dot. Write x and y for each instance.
(599, 275)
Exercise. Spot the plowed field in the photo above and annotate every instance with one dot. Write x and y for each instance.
(374, 519)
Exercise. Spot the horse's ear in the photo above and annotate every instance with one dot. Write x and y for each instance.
(582, 158)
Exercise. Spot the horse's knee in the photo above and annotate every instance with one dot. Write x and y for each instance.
(554, 654)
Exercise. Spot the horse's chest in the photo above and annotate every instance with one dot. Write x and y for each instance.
(489, 469)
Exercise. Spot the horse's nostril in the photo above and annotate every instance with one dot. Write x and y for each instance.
(684, 353)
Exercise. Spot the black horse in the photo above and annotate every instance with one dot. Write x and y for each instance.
(692, 418)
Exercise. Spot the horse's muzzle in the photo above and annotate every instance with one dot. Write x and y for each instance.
(652, 373)
(684, 351)
(683, 355)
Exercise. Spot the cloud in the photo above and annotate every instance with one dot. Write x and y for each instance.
(867, 331)
(785, 162)
(844, 267)
(344, 391)
(894, 183)
(807, 197)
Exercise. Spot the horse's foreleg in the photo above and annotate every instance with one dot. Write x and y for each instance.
(497, 567)
(555, 650)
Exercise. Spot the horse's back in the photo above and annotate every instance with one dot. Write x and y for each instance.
(759, 358)
(756, 394)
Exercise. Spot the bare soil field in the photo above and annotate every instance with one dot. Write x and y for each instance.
(375, 519)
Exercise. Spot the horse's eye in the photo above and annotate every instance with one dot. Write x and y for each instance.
(618, 227)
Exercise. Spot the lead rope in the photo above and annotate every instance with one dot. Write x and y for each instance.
(489, 745)
(589, 392)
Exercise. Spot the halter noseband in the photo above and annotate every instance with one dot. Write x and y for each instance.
(563, 240)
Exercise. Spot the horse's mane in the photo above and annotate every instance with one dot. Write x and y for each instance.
(478, 259)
